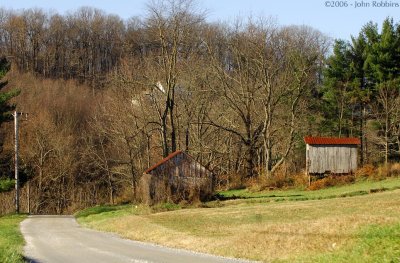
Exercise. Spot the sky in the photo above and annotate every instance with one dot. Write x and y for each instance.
(336, 19)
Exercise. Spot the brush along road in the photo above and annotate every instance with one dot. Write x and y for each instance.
(60, 239)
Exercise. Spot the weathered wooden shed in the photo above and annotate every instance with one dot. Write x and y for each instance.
(175, 178)
(331, 155)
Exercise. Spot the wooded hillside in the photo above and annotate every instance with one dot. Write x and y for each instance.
(107, 98)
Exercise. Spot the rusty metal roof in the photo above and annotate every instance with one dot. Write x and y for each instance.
(332, 141)
(172, 155)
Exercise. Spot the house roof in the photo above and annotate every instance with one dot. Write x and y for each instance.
(332, 141)
(172, 155)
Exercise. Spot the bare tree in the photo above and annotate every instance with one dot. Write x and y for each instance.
(264, 68)
(386, 116)
(171, 26)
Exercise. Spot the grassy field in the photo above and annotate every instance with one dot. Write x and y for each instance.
(11, 240)
(355, 223)
(359, 188)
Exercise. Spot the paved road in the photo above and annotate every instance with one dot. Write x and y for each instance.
(60, 239)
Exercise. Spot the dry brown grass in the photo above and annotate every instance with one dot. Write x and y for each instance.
(279, 180)
(366, 171)
(331, 180)
(263, 231)
(378, 173)
(395, 169)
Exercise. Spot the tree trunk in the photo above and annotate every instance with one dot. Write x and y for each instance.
(251, 157)
(110, 188)
(386, 142)
(362, 151)
(164, 135)
(171, 105)
(268, 162)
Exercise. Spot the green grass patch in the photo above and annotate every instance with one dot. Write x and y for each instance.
(163, 207)
(11, 240)
(358, 188)
(95, 210)
(6, 185)
(105, 212)
(245, 196)
(373, 243)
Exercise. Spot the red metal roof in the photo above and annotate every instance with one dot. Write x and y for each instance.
(332, 141)
(172, 155)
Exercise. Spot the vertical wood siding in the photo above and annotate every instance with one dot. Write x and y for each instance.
(178, 178)
(336, 159)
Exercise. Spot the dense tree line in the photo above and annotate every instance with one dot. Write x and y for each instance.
(84, 45)
(107, 98)
(361, 91)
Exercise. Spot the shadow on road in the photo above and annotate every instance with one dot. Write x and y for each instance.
(30, 260)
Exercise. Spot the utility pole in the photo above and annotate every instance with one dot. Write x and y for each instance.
(15, 114)
(16, 136)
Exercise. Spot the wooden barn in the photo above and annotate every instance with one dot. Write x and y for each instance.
(176, 178)
(326, 155)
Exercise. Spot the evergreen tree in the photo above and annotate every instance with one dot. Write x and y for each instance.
(361, 93)
(5, 107)
(5, 115)
(361, 83)
(345, 92)
(337, 89)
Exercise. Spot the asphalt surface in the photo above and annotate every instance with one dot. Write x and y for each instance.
(60, 239)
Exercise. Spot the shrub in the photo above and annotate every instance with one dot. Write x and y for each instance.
(255, 184)
(300, 180)
(6, 185)
(367, 171)
(331, 180)
(124, 195)
(382, 172)
(395, 169)
(279, 180)
(230, 181)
